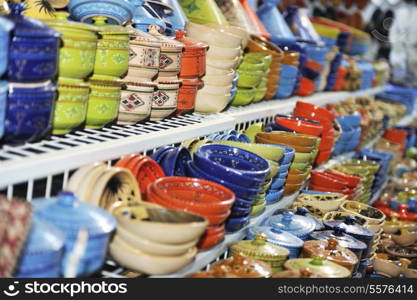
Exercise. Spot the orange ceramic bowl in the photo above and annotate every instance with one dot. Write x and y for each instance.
(213, 236)
(291, 138)
(323, 157)
(296, 177)
(290, 189)
(321, 112)
(296, 148)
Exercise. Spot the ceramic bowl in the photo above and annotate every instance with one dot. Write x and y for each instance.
(161, 225)
(165, 99)
(211, 103)
(290, 189)
(153, 248)
(244, 97)
(237, 31)
(325, 202)
(274, 196)
(373, 215)
(3, 99)
(174, 163)
(223, 53)
(224, 79)
(117, 11)
(249, 79)
(222, 63)
(216, 89)
(295, 139)
(139, 261)
(5, 27)
(278, 183)
(234, 224)
(213, 36)
(301, 149)
(386, 267)
(266, 151)
(299, 166)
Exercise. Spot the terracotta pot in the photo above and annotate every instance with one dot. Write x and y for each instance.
(187, 96)
(193, 58)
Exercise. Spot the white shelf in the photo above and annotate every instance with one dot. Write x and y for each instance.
(58, 154)
(206, 257)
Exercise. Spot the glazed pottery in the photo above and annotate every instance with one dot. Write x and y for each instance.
(135, 102)
(212, 36)
(320, 266)
(5, 27)
(331, 251)
(244, 97)
(170, 58)
(43, 253)
(33, 49)
(237, 266)
(234, 30)
(112, 55)
(297, 225)
(326, 202)
(193, 58)
(165, 99)
(117, 11)
(29, 111)
(4, 89)
(203, 11)
(371, 214)
(187, 96)
(387, 267)
(161, 225)
(261, 250)
(70, 108)
(78, 49)
(249, 79)
(103, 102)
(211, 103)
(405, 238)
(71, 217)
(139, 261)
(266, 151)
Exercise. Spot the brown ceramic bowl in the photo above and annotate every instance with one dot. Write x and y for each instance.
(290, 189)
(296, 178)
(295, 139)
(291, 58)
(257, 44)
(300, 149)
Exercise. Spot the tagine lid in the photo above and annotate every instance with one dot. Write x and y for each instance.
(259, 247)
(165, 41)
(28, 27)
(240, 266)
(44, 237)
(70, 215)
(319, 266)
(295, 224)
(61, 21)
(277, 236)
(351, 227)
(330, 250)
(189, 43)
(344, 240)
(104, 28)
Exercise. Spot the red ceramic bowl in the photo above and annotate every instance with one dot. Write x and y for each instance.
(300, 126)
(146, 172)
(123, 163)
(323, 157)
(396, 135)
(209, 240)
(307, 87)
(330, 190)
(201, 195)
(321, 112)
(327, 124)
(321, 178)
(326, 143)
(352, 181)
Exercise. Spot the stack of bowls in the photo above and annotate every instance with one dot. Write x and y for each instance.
(173, 160)
(241, 171)
(360, 42)
(397, 136)
(155, 240)
(324, 201)
(326, 118)
(361, 190)
(231, 135)
(253, 78)
(350, 135)
(206, 198)
(301, 166)
(259, 45)
(336, 182)
(328, 35)
(289, 74)
(223, 56)
(367, 74)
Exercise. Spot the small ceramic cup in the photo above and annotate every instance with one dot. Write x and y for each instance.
(136, 102)
(165, 99)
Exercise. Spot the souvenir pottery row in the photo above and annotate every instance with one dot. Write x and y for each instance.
(61, 225)
(214, 202)
(155, 240)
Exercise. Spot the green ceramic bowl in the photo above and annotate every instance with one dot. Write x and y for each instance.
(273, 169)
(302, 157)
(266, 58)
(264, 82)
(252, 64)
(244, 97)
(253, 130)
(71, 106)
(256, 210)
(371, 166)
(249, 79)
(260, 94)
(266, 151)
(103, 103)
(299, 166)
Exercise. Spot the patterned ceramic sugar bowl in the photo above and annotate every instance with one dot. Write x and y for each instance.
(165, 99)
(43, 252)
(171, 54)
(103, 102)
(70, 108)
(78, 51)
(261, 250)
(319, 266)
(77, 220)
(117, 11)
(33, 50)
(135, 102)
(5, 27)
(29, 111)
(112, 56)
(143, 57)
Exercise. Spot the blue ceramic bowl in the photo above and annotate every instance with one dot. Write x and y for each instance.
(243, 203)
(232, 164)
(278, 183)
(283, 168)
(3, 102)
(353, 120)
(235, 224)
(282, 175)
(273, 196)
(243, 138)
(117, 11)
(240, 192)
(395, 204)
(288, 71)
(175, 162)
(288, 156)
(29, 112)
(238, 211)
(160, 153)
(42, 254)
(5, 27)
